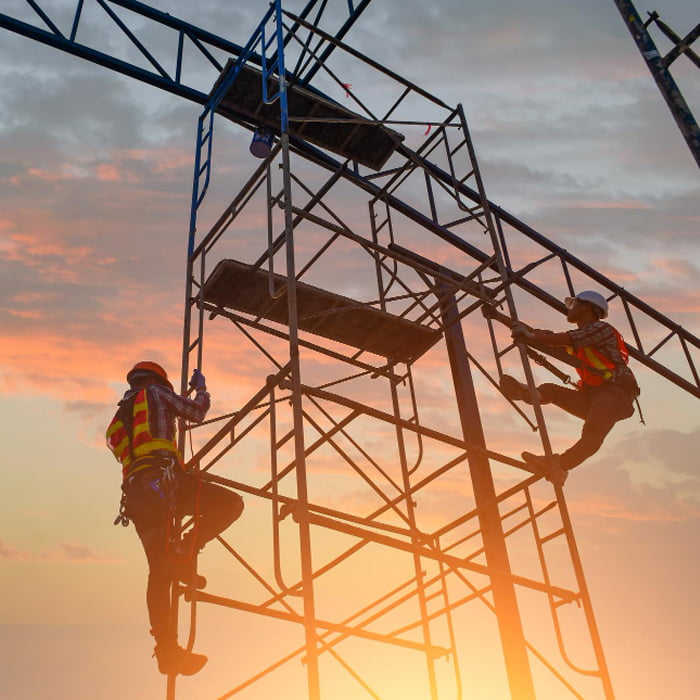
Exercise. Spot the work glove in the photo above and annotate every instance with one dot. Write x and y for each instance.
(198, 382)
(487, 311)
(520, 332)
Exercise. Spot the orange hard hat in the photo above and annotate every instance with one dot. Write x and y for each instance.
(148, 367)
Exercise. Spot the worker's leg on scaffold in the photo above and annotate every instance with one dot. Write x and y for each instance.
(150, 514)
(574, 401)
(608, 404)
(217, 507)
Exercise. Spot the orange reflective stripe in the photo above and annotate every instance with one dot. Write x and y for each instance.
(594, 359)
(139, 426)
(598, 361)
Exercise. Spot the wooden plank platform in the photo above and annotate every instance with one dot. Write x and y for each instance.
(368, 144)
(235, 285)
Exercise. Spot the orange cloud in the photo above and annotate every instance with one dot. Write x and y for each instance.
(74, 553)
(64, 553)
(34, 314)
(615, 508)
(64, 172)
(7, 551)
(107, 173)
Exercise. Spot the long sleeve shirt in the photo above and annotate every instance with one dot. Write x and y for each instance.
(165, 406)
(601, 337)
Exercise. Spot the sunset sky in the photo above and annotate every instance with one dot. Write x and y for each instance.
(572, 136)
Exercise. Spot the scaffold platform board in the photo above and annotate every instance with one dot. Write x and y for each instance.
(235, 285)
(343, 131)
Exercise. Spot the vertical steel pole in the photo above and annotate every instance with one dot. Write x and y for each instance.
(505, 602)
(406, 479)
(302, 515)
(418, 568)
(585, 597)
(674, 99)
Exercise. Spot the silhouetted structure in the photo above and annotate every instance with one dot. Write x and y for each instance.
(372, 362)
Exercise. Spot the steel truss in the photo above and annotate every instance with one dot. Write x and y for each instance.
(152, 46)
(352, 320)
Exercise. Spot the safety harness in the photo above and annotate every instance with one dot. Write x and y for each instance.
(130, 439)
(595, 368)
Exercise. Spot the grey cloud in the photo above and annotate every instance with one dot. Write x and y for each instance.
(675, 452)
(81, 109)
(617, 487)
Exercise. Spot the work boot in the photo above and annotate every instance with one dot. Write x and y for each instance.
(516, 391)
(186, 572)
(552, 469)
(173, 659)
(185, 555)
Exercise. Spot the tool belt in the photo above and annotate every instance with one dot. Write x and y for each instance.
(153, 481)
(158, 459)
(628, 383)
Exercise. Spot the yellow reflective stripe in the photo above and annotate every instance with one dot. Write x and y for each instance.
(155, 444)
(592, 359)
(145, 465)
(143, 441)
(121, 447)
(141, 404)
(140, 429)
(113, 427)
(596, 362)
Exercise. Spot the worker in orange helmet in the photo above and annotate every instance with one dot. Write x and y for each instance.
(157, 492)
(606, 389)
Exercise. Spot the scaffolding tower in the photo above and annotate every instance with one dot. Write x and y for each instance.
(364, 266)
(361, 273)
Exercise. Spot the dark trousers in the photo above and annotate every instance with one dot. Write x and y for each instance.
(599, 407)
(148, 507)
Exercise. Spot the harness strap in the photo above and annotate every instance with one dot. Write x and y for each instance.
(544, 362)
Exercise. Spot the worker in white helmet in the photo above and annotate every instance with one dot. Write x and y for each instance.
(606, 389)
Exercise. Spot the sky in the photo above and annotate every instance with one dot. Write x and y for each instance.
(572, 136)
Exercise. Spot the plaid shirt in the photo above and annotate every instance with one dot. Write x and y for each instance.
(164, 406)
(601, 337)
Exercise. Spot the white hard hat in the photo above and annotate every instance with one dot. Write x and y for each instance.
(594, 298)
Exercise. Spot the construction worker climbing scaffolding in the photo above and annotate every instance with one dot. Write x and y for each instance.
(157, 492)
(606, 389)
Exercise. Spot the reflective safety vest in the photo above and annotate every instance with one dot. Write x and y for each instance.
(130, 439)
(596, 368)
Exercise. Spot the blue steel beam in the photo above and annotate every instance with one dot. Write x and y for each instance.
(205, 43)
